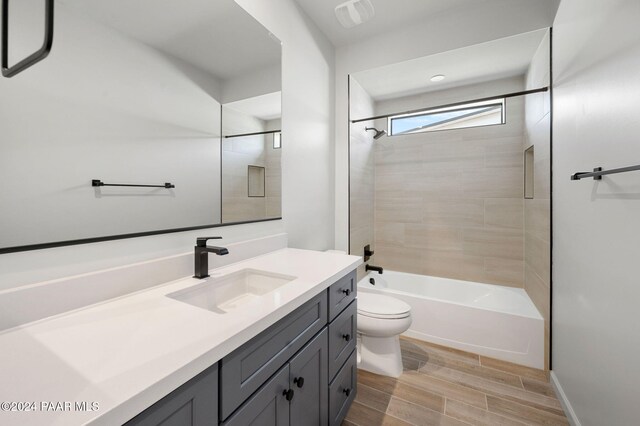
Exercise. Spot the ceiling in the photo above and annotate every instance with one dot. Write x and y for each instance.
(500, 58)
(389, 15)
(265, 107)
(199, 32)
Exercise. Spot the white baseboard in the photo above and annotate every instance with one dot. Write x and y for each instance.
(564, 401)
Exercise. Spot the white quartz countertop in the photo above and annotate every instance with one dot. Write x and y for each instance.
(122, 355)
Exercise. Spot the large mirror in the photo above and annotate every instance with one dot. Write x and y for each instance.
(132, 94)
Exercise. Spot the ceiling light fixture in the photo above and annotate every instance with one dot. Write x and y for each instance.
(354, 12)
(438, 77)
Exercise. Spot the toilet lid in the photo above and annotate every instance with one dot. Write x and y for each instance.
(379, 306)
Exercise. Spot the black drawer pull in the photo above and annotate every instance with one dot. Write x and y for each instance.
(299, 381)
(347, 392)
(288, 394)
(346, 337)
(347, 292)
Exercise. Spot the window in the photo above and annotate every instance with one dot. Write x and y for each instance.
(475, 114)
(277, 140)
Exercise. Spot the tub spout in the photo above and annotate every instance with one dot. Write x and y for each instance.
(378, 269)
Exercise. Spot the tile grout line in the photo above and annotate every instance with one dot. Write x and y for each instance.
(426, 408)
(521, 387)
(525, 406)
(376, 410)
(499, 394)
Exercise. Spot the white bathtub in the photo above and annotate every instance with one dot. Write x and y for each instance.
(491, 320)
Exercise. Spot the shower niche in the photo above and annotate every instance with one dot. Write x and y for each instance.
(440, 185)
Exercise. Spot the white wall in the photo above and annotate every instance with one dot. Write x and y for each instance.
(449, 30)
(596, 330)
(307, 123)
(308, 164)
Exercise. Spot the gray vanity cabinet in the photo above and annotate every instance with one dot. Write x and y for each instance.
(295, 395)
(342, 293)
(342, 391)
(309, 381)
(300, 371)
(244, 370)
(268, 406)
(193, 404)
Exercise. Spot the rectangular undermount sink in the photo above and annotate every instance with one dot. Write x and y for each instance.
(229, 292)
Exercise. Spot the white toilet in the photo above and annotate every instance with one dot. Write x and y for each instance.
(381, 320)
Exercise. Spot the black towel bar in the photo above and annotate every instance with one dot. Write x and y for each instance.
(98, 182)
(598, 172)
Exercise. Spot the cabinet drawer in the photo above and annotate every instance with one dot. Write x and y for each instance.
(341, 294)
(248, 367)
(342, 338)
(342, 391)
(193, 404)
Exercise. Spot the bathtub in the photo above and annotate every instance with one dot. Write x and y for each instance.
(491, 320)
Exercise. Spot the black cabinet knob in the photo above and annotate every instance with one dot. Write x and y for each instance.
(347, 292)
(346, 337)
(299, 381)
(347, 392)
(288, 394)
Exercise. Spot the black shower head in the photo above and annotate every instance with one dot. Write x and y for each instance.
(379, 133)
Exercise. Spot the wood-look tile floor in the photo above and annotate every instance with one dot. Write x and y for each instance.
(443, 386)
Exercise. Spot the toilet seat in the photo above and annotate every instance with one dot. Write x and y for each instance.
(382, 307)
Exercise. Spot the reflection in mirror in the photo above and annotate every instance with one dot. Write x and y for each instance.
(130, 94)
(251, 151)
(442, 194)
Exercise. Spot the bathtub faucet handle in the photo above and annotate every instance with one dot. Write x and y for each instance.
(367, 252)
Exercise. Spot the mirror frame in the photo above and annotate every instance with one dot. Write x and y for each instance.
(42, 246)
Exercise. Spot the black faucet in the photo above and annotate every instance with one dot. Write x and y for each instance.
(201, 256)
(378, 269)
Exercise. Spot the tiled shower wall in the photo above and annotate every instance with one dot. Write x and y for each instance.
(362, 173)
(537, 218)
(449, 203)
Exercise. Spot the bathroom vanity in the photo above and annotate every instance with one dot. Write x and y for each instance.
(269, 340)
(300, 371)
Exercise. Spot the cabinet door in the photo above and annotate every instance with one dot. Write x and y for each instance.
(193, 404)
(244, 370)
(268, 406)
(309, 381)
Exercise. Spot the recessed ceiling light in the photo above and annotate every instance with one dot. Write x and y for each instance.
(437, 77)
